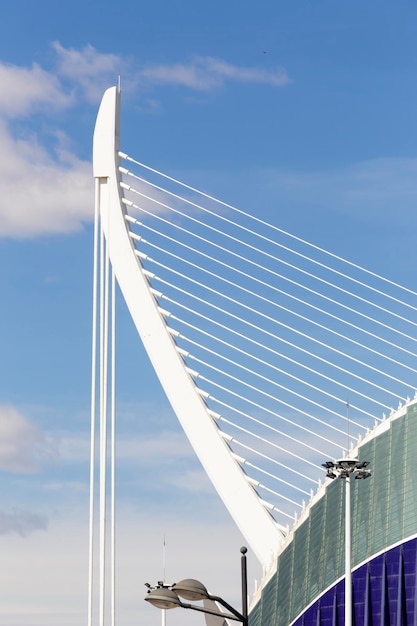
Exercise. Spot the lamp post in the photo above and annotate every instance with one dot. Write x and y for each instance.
(345, 468)
(168, 596)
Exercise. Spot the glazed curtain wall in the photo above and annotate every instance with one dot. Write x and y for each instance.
(384, 593)
(384, 512)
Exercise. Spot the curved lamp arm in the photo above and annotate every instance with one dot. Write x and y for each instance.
(165, 598)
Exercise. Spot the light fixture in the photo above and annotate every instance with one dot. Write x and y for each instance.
(163, 598)
(167, 596)
(362, 474)
(330, 474)
(190, 589)
(345, 468)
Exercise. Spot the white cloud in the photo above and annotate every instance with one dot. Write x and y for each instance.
(206, 73)
(90, 70)
(24, 91)
(41, 192)
(50, 190)
(22, 445)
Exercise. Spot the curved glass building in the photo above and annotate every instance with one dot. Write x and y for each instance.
(307, 585)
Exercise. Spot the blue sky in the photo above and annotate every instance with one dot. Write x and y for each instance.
(303, 112)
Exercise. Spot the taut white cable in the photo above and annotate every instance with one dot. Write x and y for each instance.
(271, 366)
(264, 223)
(281, 276)
(271, 350)
(274, 303)
(281, 339)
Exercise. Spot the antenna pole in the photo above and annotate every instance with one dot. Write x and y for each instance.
(348, 427)
(164, 578)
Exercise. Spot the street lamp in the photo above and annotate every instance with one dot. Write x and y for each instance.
(344, 468)
(168, 596)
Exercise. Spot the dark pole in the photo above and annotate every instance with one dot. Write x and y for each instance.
(244, 586)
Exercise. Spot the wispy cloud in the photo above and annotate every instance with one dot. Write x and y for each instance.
(374, 188)
(138, 449)
(41, 192)
(25, 90)
(207, 73)
(23, 446)
(44, 187)
(21, 522)
(91, 71)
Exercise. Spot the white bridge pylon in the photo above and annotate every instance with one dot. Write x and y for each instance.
(270, 349)
(253, 519)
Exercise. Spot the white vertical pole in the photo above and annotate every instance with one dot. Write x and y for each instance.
(104, 367)
(348, 555)
(93, 405)
(113, 449)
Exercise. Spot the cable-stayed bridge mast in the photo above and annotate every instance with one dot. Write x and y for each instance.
(274, 353)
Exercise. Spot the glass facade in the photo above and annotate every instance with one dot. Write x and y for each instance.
(310, 569)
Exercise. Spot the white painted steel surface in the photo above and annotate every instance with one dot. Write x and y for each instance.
(254, 521)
